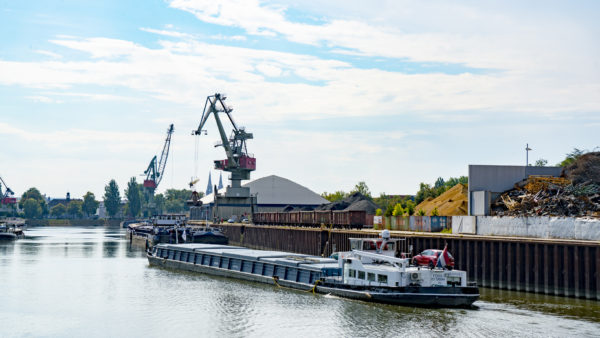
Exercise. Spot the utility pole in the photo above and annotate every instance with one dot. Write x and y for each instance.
(527, 149)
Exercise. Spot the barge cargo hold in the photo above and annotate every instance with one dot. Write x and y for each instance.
(362, 275)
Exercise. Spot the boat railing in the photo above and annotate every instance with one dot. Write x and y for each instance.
(403, 262)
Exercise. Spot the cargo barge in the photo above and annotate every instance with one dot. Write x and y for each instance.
(369, 272)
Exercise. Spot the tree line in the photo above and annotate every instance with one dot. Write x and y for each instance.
(172, 201)
(34, 205)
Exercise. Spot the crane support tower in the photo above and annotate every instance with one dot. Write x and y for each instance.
(236, 200)
(154, 172)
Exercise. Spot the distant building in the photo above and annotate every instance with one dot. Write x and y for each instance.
(101, 212)
(64, 201)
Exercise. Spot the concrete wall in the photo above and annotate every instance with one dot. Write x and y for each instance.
(540, 227)
(499, 178)
(464, 225)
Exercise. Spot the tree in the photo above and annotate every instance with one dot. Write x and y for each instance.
(58, 210)
(572, 157)
(421, 212)
(112, 198)
(425, 191)
(74, 209)
(362, 188)
(176, 199)
(32, 208)
(378, 212)
(409, 207)
(435, 212)
(174, 205)
(334, 197)
(90, 205)
(34, 193)
(398, 210)
(134, 198)
(439, 183)
(159, 203)
(389, 211)
(541, 162)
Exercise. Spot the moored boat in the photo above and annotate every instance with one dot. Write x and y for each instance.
(10, 232)
(173, 229)
(366, 274)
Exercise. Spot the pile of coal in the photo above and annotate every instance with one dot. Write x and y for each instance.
(355, 202)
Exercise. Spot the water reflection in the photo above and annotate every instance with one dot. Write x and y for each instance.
(110, 248)
(562, 306)
(7, 248)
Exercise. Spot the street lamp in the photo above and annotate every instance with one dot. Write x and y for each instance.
(527, 149)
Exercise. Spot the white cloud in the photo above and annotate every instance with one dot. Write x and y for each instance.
(42, 99)
(482, 37)
(170, 33)
(179, 70)
(48, 53)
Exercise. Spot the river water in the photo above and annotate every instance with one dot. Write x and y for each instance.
(76, 281)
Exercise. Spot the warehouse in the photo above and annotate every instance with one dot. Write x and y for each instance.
(272, 193)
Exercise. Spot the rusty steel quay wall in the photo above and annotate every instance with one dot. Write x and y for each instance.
(555, 267)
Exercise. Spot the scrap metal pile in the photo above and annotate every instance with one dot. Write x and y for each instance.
(576, 195)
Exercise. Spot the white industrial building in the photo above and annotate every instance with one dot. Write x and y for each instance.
(273, 193)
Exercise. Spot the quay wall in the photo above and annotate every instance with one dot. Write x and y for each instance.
(540, 227)
(587, 229)
(549, 266)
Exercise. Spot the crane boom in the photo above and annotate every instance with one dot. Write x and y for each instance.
(164, 155)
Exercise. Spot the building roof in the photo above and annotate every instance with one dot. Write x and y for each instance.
(275, 190)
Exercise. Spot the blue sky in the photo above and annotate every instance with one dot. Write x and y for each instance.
(392, 93)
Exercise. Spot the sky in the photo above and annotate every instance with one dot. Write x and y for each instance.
(392, 93)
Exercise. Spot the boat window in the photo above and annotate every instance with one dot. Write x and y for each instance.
(369, 246)
(352, 273)
(371, 277)
(361, 274)
(382, 278)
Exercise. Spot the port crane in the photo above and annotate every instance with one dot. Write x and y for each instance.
(239, 163)
(236, 199)
(155, 171)
(6, 197)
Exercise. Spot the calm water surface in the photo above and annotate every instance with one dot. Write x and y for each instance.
(75, 282)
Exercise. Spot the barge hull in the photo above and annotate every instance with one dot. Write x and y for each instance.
(418, 296)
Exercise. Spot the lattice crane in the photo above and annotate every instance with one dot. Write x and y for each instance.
(156, 169)
(239, 163)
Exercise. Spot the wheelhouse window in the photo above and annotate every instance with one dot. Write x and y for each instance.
(371, 277)
(382, 279)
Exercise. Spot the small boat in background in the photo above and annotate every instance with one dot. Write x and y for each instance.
(12, 229)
